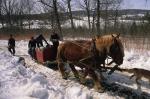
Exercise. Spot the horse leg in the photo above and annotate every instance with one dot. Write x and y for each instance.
(97, 84)
(62, 70)
(84, 71)
(149, 81)
(138, 84)
(132, 76)
(75, 72)
(104, 67)
(82, 78)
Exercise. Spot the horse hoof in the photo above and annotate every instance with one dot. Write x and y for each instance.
(110, 72)
(83, 82)
(77, 77)
(105, 70)
(64, 78)
(101, 90)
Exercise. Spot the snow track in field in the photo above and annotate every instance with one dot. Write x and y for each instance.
(71, 88)
(119, 89)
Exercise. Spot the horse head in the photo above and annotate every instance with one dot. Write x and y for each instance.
(113, 45)
(116, 50)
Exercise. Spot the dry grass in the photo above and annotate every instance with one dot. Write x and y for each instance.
(136, 43)
(22, 36)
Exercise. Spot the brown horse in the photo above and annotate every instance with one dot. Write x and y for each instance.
(80, 53)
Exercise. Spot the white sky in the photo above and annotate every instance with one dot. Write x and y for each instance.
(126, 4)
(136, 4)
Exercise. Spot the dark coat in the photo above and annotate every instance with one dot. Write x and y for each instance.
(32, 43)
(39, 40)
(55, 39)
(11, 42)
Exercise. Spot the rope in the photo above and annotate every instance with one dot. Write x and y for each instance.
(78, 45)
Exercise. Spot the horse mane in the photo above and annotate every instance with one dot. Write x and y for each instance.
(104, 39)
(107, 40)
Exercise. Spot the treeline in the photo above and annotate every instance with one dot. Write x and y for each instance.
(103, 16)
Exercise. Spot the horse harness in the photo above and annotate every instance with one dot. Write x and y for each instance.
(94, 56)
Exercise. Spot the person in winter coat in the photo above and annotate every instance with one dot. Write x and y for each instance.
(39, 40)
(54, 38)
(31, 48)
(11, 45)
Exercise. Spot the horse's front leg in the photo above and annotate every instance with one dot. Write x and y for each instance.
(62, 70)
(104, 67)
(84, 72)
(97, 84)
(75, 72)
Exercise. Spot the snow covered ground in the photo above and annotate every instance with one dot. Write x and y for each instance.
(39, 82)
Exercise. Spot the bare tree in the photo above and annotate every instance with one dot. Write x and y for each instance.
(1, 14)
(57, 17)
(115, 19)
(87, 6)
(98, 17)
(55, 11)
(8, 9)
(29, 9)
(106, 3)
(20, 11)
(115, 6)
(70, 13)
(12, 10)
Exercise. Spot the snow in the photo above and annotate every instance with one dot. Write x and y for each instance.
(137, 60)
(35, 81)
(17, 81)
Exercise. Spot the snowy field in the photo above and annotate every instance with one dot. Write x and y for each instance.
(35, 81)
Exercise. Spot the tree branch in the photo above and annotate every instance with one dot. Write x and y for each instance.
(41, 1)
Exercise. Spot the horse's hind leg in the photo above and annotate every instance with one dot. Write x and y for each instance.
(97, 84)
(83, 76)
(138, 84)
(75, 72)
(132, 76)
(149, 81)
(62, 70)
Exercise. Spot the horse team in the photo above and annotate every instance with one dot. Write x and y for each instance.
(89, 56)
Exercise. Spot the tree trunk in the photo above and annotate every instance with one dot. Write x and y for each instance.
(115, 20)
(93, 22)
(88, 12)
(70, 14)
(52, 21)
(57, 18)
(1, 16)
(106, 17)
(98, 17)
(89, 21)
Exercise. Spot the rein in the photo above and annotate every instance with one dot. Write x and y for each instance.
(78, 45)
(92, 49)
